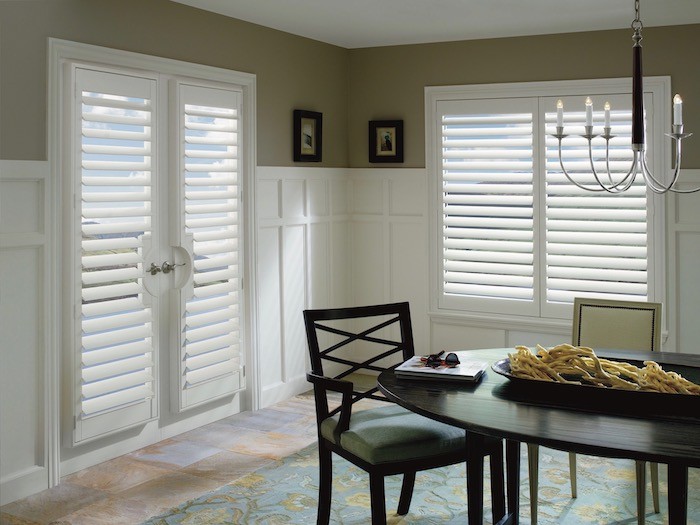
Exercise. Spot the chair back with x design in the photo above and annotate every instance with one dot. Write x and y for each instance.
(343, 349)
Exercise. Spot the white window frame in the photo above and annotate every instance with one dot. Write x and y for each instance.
(61, 54)
(656, 88)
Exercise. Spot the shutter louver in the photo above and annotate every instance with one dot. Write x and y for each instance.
(487, 204)
(115, 113)
(596, 242)
(210, 333)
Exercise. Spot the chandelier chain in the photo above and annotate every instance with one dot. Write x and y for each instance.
(637, 22)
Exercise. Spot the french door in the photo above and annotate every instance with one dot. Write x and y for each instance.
(153, 245)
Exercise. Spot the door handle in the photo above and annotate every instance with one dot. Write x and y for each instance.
(167, 267)
(153, 270)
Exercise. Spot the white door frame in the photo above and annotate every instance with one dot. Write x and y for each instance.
(60, 51)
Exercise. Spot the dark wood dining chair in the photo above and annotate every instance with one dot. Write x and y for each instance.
(384, 440)
(609, 324)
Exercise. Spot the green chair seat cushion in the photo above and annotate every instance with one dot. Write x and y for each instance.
(392, 433)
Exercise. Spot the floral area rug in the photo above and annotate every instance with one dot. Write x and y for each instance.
(286, 491)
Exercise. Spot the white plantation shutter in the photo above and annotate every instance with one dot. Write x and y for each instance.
(515, 236)
(596, 242)
(487, 204)
(114, 114)
(210, 354)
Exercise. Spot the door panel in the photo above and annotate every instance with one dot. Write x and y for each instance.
(114, 175)
(209, 335)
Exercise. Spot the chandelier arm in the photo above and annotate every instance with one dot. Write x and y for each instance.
(566, 174)
(650, 182)
(618, 187)
(657, 186)
(630, 173)
(607, 160)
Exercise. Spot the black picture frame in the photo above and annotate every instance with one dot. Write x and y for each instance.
(308, 136)
(385, 141)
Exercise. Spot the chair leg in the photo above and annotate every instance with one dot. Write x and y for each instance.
(325, 484)
(572, 473)
(376, 494)
(533, 467)
(409, 479)
(655, 485)
(641, 474)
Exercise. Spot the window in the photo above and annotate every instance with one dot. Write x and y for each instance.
(154, 161)
(513, 236)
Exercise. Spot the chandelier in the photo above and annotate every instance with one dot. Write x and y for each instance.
(606, 181)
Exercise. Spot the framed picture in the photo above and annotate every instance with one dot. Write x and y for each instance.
(308, 133)
(386, 140)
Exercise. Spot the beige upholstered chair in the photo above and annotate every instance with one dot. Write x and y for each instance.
(624, 325)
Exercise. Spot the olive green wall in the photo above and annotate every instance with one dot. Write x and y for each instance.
(388, 82)
(292, 72)
(350, 87)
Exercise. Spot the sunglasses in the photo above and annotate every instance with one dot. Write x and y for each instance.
(435, 360)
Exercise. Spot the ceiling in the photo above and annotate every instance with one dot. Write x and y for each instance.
(368, 23)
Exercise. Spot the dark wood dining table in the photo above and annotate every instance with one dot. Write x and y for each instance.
(647, 426)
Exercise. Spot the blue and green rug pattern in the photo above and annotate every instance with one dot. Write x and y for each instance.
(285, 493)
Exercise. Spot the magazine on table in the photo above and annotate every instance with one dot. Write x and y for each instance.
(468, 369)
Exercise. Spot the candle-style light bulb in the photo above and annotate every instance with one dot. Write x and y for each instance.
(607, 114)
(589, 111)
(560, 113)
(677, 110)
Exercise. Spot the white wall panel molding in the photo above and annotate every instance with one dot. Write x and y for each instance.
(389, 240)
(505, 322)
(302, 217)
(28, 369)
(683, 278)
(469, 333)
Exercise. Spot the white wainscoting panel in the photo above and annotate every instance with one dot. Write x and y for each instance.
(683, 244)
(408, 267)
(532, 339)
(297, 277)
(389, 217)
(269, 307)
(454, 334)
(320, 274)
(688, 303)
(25, 353)
(302, 262)
(370, 275)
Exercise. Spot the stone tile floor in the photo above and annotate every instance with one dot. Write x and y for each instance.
(131, 488)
